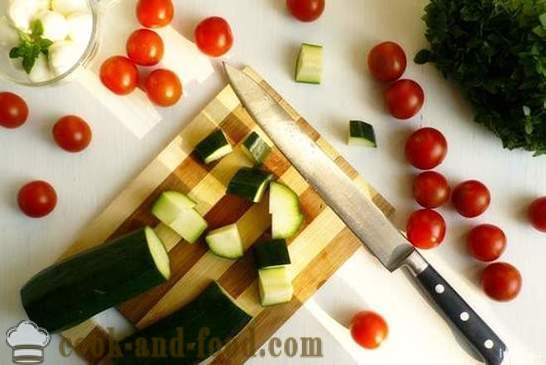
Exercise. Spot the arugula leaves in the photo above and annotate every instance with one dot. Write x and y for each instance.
(495, 50)
(31, 46)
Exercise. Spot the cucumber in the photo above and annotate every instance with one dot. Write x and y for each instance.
(214, 147)
(361, 133)
(256, 148)
(74, 290)
(249, 183)
(275, 286)
(309, 64)
(284, 207)
(189, 335)
(226, 242)
(175, 210)
(169, 204)
(271, 254)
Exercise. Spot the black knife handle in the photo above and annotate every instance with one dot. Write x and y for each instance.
(460, 315)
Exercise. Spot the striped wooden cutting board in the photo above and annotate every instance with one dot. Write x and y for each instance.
(321, 246)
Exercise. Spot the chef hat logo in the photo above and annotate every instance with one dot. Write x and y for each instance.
(27, 342)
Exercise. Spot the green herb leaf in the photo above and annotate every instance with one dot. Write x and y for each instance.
(422, 57)
(36, 28)
(31, 46)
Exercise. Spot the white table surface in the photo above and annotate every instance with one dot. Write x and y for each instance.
(267, 39)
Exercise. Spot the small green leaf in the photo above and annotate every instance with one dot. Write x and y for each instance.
(15, 52)
(526, 111)
(44, 43)
(422, 57)
(37, 28)
(542, 19)
(28, 63)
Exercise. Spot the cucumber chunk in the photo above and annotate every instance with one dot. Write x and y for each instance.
(361, 133)
(226, 242)
(285, 210)
(309, 64)
(170, 203)
(256, 148)
(275, 286)
(271, 254)
(214, 147)
(249, 183)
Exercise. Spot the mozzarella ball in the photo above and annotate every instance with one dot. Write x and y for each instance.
(80, 27)
(63, 55)
(22, 12)
(40, 72)
(54, 24)
(8, 35)
(68, 7)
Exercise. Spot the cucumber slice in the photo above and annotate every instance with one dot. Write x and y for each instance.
(226, 242)
(309, 64)
(169, 204)
(285, 210)
(275, 286)
(189, 225)
(214, 147)
(249, 183)
(271, 254)
(208, 322)
(256, 148)
(361, 133)
(76, 289)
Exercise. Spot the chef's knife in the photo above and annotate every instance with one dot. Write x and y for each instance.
(361, 215)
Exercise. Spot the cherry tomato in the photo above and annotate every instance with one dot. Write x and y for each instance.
(426, 148)
(387, 61)
(13, 110)
(486, 242)
(426, 228)
(213, 36)
(537, 214)
(154, 13)
(430, 189)
(369, 329)
(119, 74)
(306, 10)
(471, 198)
(163, 87)
(501, 281)
(404, 99)
(72, 133)
(37, 199)
(145, 47)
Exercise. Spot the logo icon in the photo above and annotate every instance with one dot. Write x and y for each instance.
(27, 342)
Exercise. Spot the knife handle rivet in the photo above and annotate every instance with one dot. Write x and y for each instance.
(439, 288)
(464, 316)
(488, 344)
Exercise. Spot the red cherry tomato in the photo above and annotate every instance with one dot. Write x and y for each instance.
(426, 148)
(471, 198)
(369, 329)
(213, 36)
(154, 13)
(145, 47)
(387, 61)
(501, 281)
(306, 10)
(119, 74)
(486, 242)
(37, 199)
(72, 133)
(13, 110)
(426, 228)
(404, 99)
(430, 189)
(537, 214)
(163, 87)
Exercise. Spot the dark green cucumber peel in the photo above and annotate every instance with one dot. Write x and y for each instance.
(209, 322)
(211, 145)
(361, 133)
(72, 291)
(270, 254)
(256, 148)
(249, 183)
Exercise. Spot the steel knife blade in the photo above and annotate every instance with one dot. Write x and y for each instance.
(360, 214)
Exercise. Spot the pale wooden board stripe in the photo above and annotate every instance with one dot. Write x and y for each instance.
(320, 234)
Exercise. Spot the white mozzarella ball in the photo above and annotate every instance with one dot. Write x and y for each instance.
(8, 34)
(68, 7)
(80, 27)
(63, 55)
(22, 12)
(40, 72)
(54, 24)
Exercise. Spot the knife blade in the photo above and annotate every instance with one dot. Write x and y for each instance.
(361, 215)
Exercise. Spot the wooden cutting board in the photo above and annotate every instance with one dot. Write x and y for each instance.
(321, 247)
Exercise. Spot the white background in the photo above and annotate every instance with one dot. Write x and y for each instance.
(267, 39)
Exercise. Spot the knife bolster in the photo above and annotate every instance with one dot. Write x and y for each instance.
(415, 263)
